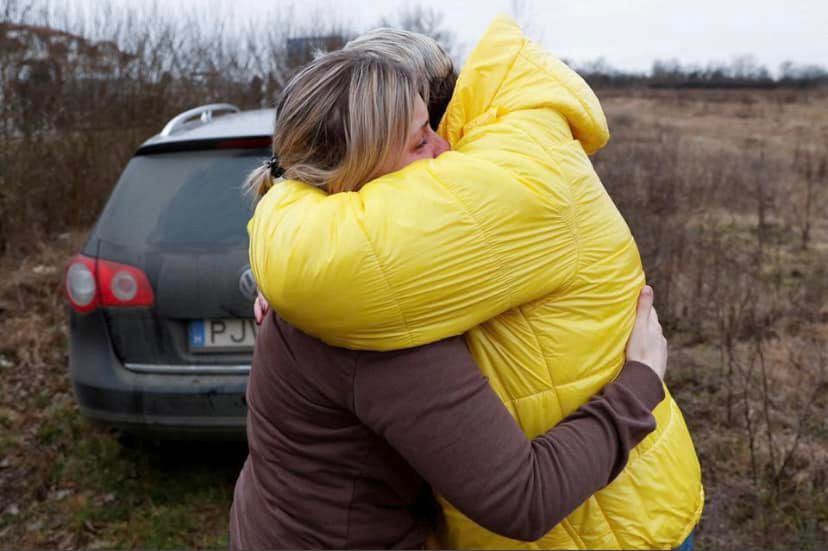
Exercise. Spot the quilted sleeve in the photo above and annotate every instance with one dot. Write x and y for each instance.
(446, 244)
(408, 260)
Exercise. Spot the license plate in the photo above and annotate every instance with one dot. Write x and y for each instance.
(213, 335)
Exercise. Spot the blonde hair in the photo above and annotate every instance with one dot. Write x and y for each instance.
(422, 55)
(339, 121)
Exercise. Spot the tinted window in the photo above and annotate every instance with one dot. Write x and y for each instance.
(189, 200)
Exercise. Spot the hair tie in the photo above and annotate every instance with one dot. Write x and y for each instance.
(272, 165)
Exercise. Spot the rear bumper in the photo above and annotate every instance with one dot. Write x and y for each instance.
(207, 403)
(166, 414)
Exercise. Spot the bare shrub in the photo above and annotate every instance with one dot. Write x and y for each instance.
(82, 89)
(724, 229)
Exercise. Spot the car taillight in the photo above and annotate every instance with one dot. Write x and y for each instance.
(91, 283)
(81, 288)
(123, 285)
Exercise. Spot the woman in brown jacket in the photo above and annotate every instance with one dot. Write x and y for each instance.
(346, 447)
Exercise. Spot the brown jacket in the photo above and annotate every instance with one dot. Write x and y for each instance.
(346, 446)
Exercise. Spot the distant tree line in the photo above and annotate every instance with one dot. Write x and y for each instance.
(742, 72)
(83, 84)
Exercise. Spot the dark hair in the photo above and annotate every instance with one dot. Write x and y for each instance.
(440, 92)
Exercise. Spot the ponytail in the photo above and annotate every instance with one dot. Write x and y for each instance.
(257, 183)
(262, 178)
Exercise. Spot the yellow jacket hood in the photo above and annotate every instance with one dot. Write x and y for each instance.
(506, 72)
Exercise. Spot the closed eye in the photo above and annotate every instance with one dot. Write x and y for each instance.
(424, 130)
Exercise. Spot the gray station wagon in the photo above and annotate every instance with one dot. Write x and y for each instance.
(161, 294)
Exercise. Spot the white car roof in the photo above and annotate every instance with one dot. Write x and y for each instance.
(254, 123)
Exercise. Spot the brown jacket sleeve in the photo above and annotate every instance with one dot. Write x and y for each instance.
(438, 411)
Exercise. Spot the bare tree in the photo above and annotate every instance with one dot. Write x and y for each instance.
(429, 22)
(813, 170)
(83, 84)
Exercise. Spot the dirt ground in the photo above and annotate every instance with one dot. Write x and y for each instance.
(68, 484)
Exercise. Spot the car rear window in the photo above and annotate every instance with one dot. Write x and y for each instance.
(189, 200)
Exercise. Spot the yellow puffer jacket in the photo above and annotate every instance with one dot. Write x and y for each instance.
(511, 239)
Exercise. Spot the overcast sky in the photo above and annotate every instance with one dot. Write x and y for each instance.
(629, 34)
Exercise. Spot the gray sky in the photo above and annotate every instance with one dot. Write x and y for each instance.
(630, 34)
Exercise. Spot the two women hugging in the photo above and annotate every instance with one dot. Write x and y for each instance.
(457, 340)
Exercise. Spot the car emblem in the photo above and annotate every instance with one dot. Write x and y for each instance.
(247, 284)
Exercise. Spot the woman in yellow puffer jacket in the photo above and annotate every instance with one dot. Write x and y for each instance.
(512, 240)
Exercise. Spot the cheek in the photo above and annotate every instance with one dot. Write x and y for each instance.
(424, 153)
(430, 151)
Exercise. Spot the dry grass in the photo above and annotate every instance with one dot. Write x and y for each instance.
(745, 308)
(717, 191)
(68, 484)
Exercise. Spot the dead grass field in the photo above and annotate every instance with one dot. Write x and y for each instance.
(715, 188)
(727, 194)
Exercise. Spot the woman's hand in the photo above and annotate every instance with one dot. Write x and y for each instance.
(260, 308)
(647, 343)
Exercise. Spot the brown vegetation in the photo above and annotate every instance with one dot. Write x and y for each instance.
(725, 190)
(722, 191)
(73, 108)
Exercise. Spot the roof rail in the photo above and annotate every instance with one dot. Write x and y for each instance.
(203, 112)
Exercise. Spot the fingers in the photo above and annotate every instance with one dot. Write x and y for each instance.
(259, 308)
(655, 326)
(654, 318)
(257, 312)
(645, 303)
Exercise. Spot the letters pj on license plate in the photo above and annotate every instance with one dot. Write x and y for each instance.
(213, 335)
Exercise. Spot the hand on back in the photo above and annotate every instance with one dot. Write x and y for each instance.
(647, 344)
(260, 308)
